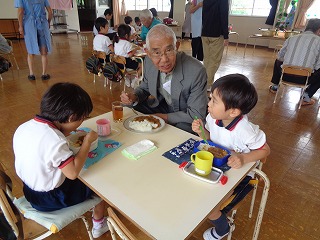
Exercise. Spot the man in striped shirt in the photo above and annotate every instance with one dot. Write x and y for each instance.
(301, 50)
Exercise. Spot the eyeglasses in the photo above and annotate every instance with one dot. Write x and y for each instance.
(169, 52)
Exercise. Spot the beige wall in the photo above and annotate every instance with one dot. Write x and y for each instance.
(7, 9)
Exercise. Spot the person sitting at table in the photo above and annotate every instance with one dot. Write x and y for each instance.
(174, 83)
(227, 124)
(300, 50)
(148, 22)
(155, 14)
(47, 167)
(101, 42)
(4, 45)
(123, 47)
(108, 14)
(137, 24)
(128, 20)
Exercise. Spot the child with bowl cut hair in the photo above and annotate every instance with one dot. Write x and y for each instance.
(232, 97)
(46, 165)
(101, 42)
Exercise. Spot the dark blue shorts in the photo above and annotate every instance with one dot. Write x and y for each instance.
(70, 193)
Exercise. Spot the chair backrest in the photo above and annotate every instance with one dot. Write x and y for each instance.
(116, 224)
(11, 213)
(99, 54)
(296, 70)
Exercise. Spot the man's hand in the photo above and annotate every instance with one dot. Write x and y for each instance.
(164, 116)
(128, 98)
(21, 30)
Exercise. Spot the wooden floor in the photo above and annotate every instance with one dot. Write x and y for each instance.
(292, 210)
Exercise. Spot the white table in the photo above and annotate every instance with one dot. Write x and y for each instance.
(259, 36)
(153, 192)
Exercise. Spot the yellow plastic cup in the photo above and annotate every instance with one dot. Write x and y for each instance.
(202, 162)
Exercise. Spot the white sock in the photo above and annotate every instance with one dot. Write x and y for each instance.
(306, 97)
(97, 223)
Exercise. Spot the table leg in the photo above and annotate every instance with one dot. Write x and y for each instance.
(237, 42)
(245, 48)
(254, 46)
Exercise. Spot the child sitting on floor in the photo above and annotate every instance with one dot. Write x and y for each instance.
(232, 97)
(43, 160)
(123, 47)
(101, 42)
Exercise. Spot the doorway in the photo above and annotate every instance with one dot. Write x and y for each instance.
(87, 14)
(89, 10)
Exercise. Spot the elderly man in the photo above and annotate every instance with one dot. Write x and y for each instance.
(148, 22)
(174, 84)
(301, 50)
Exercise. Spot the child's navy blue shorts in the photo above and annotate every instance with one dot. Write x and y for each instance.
(70, 193)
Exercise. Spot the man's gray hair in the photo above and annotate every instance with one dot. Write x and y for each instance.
(313, 25)
(146, 13)
(161, 31)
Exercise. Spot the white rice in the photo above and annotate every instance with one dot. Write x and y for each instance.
(144, 126)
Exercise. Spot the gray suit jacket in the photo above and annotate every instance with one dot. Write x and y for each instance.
(188, 88)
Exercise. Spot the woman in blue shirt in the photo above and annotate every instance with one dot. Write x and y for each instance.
(34, 25)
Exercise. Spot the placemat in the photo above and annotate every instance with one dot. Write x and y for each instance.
(183, 151)
(104, 148)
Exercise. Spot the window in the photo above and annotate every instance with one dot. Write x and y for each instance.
(250, 7)
(313, 11)
(160, 5)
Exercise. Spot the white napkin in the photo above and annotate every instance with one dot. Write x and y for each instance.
(139, 149)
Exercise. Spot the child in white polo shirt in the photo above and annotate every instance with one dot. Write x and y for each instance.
(232, 97)
(43, 160)
(101, 42)
(128, 20)
(123, 47)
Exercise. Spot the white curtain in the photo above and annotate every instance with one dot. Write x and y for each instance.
(301, 18)
(124, 11)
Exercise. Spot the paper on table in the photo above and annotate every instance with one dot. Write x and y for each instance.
(139, 149)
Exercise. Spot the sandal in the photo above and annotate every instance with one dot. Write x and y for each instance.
(304, 103)
(31, 77)
(45, 77)
(273, 88)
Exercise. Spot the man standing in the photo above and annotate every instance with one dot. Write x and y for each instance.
(148, 22)
(301, 50)
(34, 25)
(215, 34)
(174, 84)
(196, 26)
